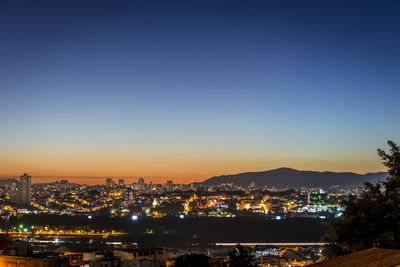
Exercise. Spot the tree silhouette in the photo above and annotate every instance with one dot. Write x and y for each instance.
(192, 260)
(372, 219)
(240, 257)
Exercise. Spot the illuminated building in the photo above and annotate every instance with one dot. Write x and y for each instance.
(141, 183)
(21, 194)
(109, 182)
(169, 186)
(25, 185)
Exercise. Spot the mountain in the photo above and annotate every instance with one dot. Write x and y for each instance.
(8, 181)
(287, 177)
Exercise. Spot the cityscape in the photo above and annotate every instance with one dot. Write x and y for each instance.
(143, 201)
(201, 133)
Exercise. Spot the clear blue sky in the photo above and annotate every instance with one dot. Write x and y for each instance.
(188, 89)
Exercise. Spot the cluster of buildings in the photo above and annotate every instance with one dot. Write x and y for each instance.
(20, 191)
(169, 199)
(20, 253)
(141, 199)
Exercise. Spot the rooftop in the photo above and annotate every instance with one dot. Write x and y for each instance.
(369, 257)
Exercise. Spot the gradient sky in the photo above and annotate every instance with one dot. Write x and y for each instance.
(191, 89)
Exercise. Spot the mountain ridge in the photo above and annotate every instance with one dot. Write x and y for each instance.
(289, 177)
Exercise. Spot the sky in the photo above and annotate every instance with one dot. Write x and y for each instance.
(186, 90)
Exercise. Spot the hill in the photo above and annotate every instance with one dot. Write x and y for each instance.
(287, 177)
(8, 181)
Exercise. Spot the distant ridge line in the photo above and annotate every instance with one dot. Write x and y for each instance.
(288, 177)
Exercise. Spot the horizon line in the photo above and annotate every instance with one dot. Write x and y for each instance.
(67, 177)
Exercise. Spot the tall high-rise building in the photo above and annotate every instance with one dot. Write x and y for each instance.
(14, 192)
(21, 194)
(121, 182)
(25, 183)
(130, 195)
(141, 183)
(109, 182)
(169, 186)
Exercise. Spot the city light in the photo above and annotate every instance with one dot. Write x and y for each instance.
(138, 133)
(153, 201)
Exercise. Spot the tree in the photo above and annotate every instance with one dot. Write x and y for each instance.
(240, 257)
(372, 219)
(192, 260)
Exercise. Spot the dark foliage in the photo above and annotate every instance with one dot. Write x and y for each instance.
(192, 260)
(372, 219)
(240, 257)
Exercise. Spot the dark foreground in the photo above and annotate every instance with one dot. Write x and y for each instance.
(176, 232)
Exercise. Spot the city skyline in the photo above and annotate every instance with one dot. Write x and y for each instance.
(98, 180)
(199, 133)
(187, 91)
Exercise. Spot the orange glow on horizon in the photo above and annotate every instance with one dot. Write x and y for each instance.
(180, 170)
